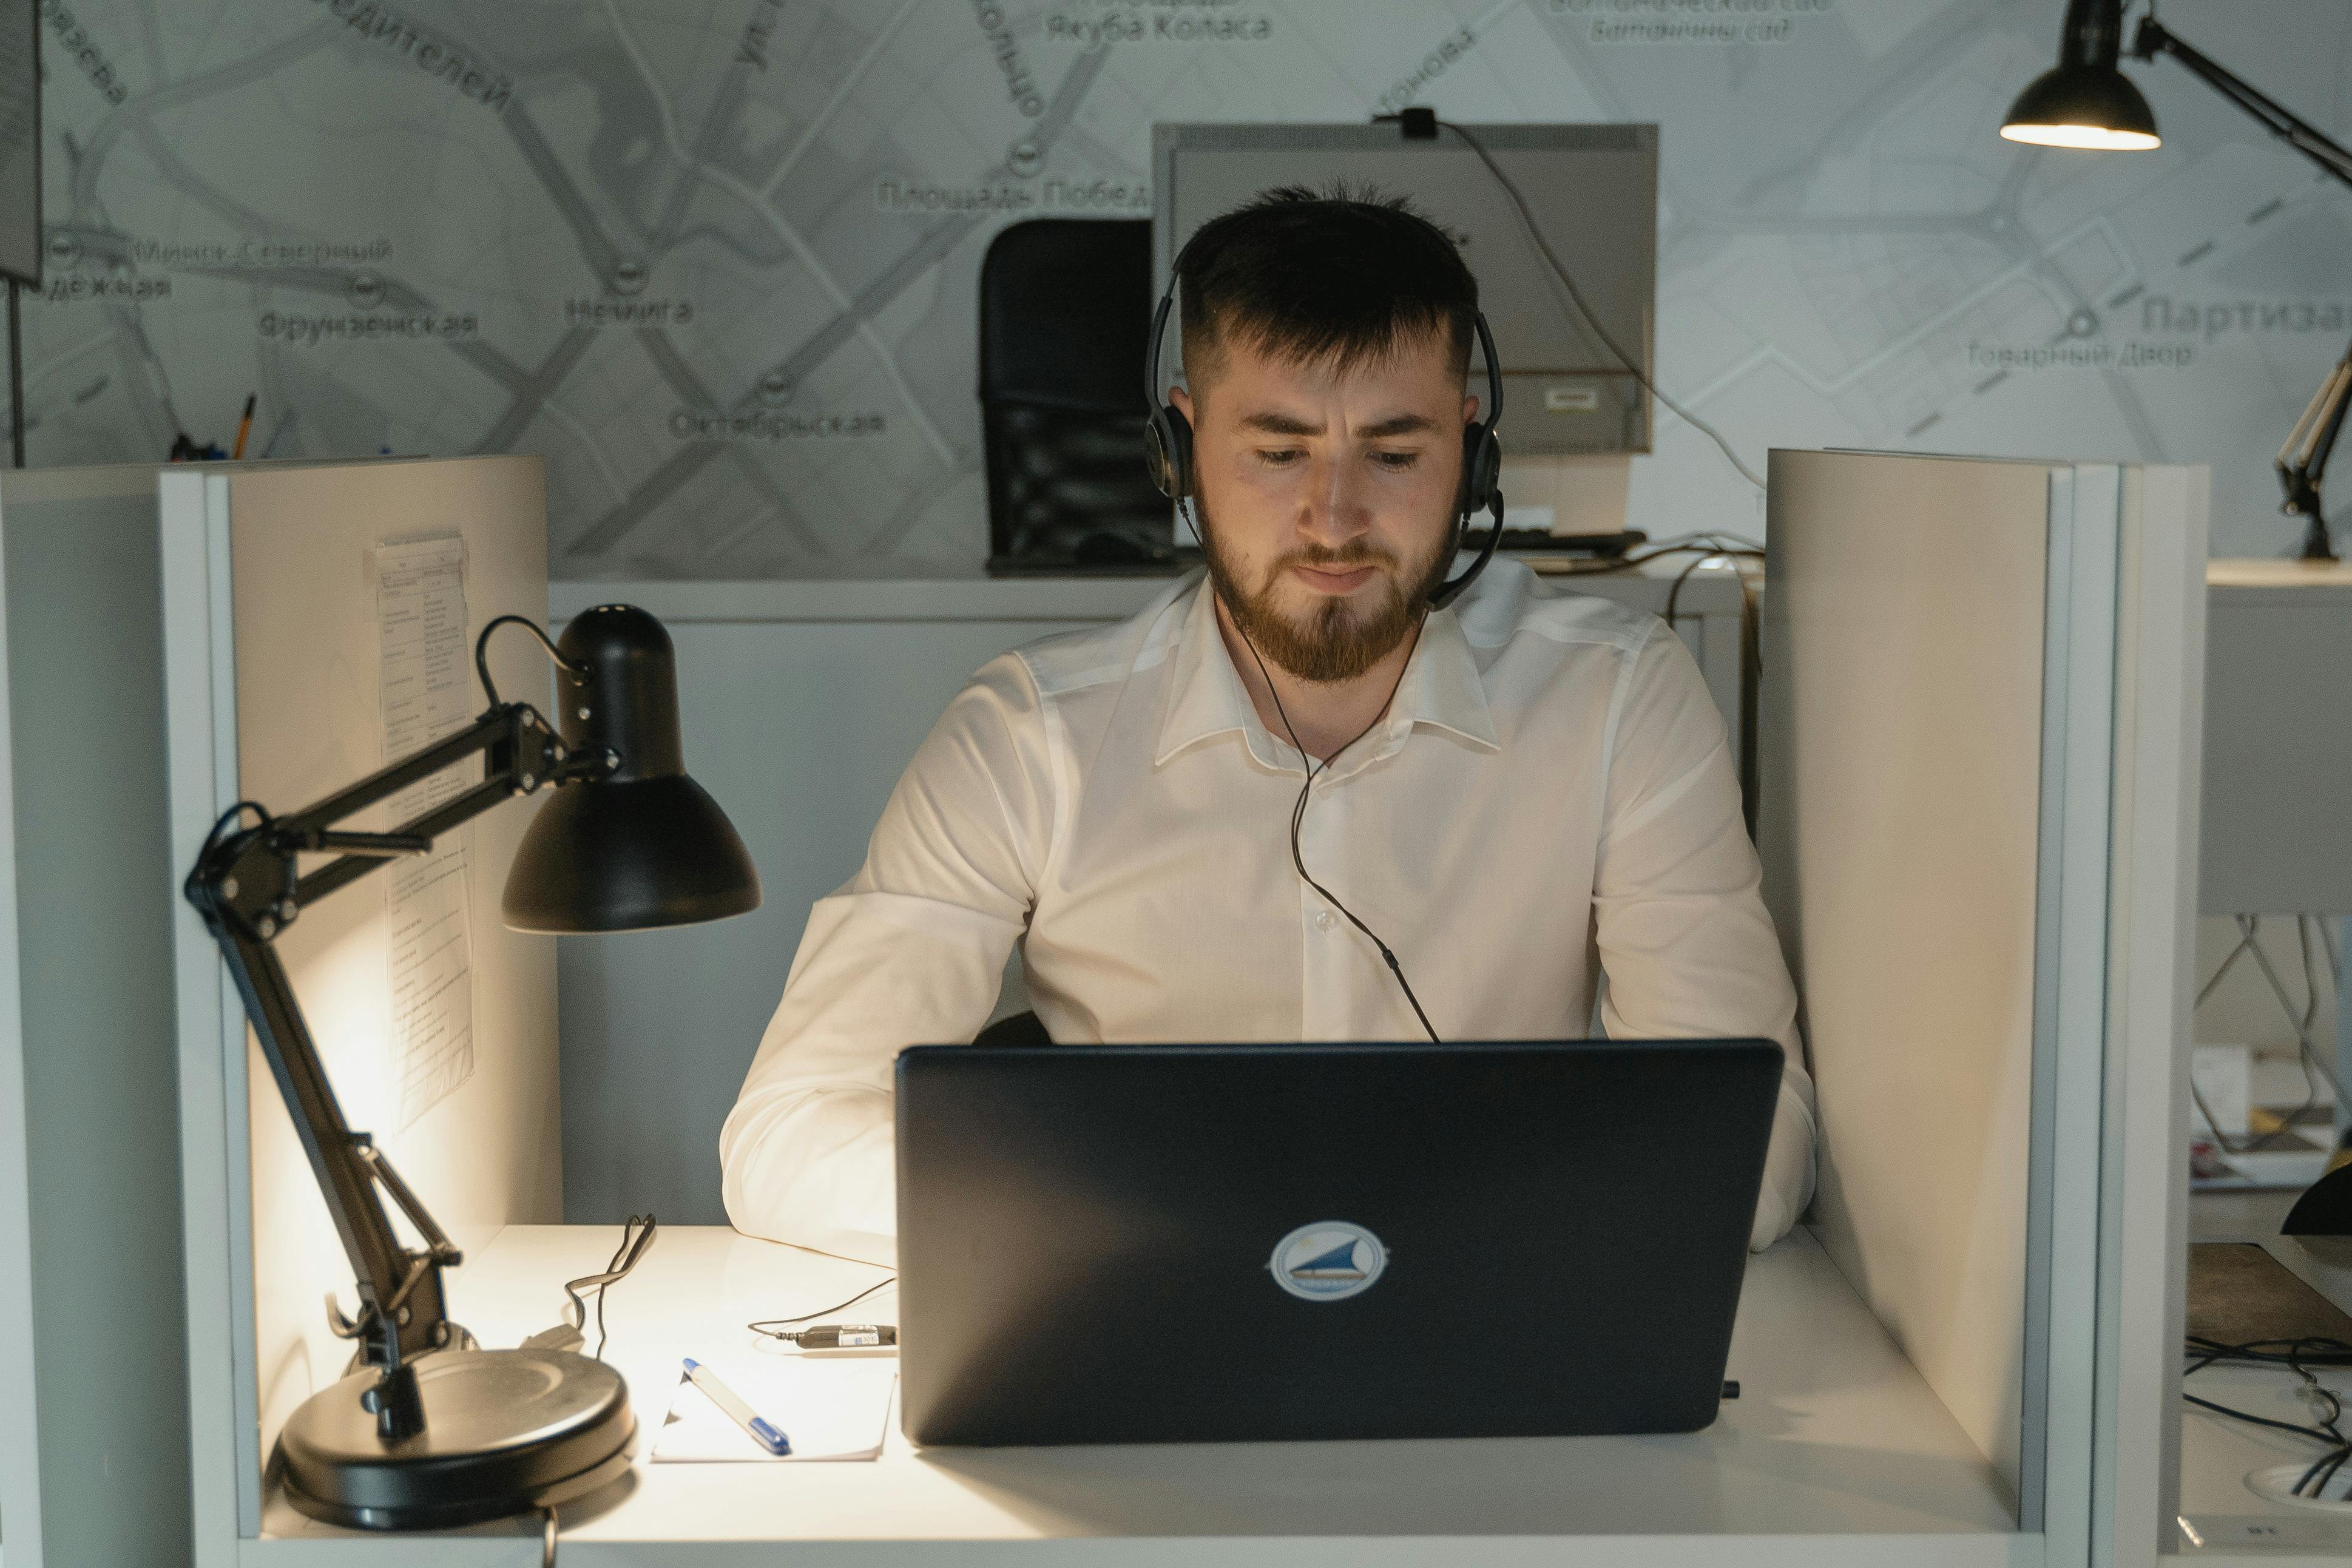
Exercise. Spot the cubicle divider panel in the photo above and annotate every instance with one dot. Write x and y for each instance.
(322, 621)
(98, 1133)
(20, 1379)
(2144, 1223)
(2078, 715)
(200, 742)
(1901, 781)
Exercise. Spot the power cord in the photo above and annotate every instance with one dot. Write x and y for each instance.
(1576, 295)
(2293, 1355)
(769, 1326)
(625, 1258)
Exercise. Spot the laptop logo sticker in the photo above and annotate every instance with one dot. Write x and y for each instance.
(1330, 1260)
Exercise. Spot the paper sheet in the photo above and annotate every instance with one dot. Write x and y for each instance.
(426, 688)
(829, 1408)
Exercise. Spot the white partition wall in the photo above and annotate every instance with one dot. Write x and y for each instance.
(1979, 692)
(2143, 1212)
(1904, 684)
(318, 622)
(1979, 733)
(90, 1172)
(21, 1513)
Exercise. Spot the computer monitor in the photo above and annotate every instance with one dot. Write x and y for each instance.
(1592, 191)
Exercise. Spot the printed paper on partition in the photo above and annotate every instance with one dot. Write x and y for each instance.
(426, 694)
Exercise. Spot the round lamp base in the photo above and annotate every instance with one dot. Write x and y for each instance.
(505, 1432)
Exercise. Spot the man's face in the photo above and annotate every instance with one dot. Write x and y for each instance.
(1327, 497)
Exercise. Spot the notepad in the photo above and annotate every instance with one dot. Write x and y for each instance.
(830, 1409)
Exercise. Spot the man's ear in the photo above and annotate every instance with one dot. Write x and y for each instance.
(1181, 401)
(1469, 411)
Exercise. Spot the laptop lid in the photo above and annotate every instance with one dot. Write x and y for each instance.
(1261, 1242)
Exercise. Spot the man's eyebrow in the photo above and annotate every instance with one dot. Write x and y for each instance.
(1380, 430)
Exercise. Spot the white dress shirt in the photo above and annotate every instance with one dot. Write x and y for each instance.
(1550, 795)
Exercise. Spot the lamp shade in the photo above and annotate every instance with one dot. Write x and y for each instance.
(645, 845)
(2088, 106)
(2085, 102)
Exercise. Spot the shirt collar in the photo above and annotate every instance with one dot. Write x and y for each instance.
(1204, 696)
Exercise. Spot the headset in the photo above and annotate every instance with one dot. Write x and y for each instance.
(1168, 444)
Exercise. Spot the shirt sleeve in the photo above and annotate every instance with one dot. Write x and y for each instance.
(911, 951)
(1678, 910)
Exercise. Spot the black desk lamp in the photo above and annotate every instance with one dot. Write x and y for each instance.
(434, 1433)
(2087, 102)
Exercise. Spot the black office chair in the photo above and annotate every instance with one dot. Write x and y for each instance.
(1064, 305)
(1020, 1029)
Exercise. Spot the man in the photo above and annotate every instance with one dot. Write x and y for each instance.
(1516, 792)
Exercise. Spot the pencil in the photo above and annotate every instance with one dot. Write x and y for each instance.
(243, 427)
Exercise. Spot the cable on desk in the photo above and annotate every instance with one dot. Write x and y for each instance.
(768, 1326)
(547, 1539)
(1708, 542)
(2293, 1355)
(625, 1258)
(1674, 593)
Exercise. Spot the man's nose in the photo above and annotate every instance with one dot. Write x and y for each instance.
(1336, 510)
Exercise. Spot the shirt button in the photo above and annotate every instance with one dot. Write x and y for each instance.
(1325, 919)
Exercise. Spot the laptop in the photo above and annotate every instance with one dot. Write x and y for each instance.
(1162, 1244)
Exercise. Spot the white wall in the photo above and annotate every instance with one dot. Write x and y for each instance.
(782, 212)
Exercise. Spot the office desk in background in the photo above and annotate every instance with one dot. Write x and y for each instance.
(2221, 1515)
(2277, 824)
(1835, 1435)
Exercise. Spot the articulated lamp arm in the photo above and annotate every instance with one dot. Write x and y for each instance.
(2302, 460)
(2152, 38)
(248, 887)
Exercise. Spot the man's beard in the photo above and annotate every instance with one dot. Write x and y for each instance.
(1334, 641)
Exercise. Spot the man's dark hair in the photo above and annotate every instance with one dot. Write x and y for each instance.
(1346, 275)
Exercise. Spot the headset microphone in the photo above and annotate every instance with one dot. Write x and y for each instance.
(1168, 445)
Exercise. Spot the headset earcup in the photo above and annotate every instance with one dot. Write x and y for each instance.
(1168, 451)
(1482, 469)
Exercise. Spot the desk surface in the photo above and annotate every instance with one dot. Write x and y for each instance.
(1835, 1435)
(2229, 1518)
(2333, 576)
(2217, 1454)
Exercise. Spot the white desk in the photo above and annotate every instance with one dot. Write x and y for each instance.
(2217, 1454)
(2235, 1524)
(1835, 1435)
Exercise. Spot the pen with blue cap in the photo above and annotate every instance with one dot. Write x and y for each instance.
(766, 1436)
